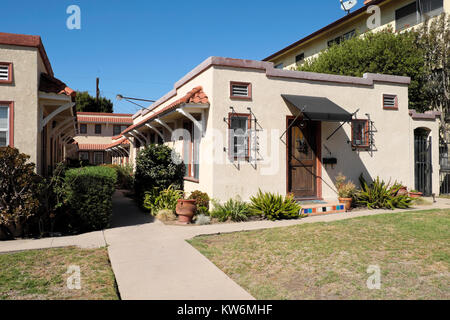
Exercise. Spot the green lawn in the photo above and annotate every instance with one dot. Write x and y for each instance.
(42, 275)
(330, 260)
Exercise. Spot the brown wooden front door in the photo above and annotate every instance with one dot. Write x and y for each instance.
(302, 158)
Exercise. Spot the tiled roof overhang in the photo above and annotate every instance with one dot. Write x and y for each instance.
(92, 147)
(116, 120)
(195, 97)
(50, 84)
(23, 40)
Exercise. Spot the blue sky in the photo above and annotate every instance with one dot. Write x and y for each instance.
(140, 48)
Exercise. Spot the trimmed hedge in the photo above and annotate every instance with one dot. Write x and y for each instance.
(89, 194)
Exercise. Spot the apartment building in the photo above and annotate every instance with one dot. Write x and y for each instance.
(37, 110)
(96, 133)
(400, 15)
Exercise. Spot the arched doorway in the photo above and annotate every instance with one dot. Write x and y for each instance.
(423, 160)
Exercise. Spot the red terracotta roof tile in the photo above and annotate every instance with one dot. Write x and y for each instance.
(50, 84)
(123, 120)
(195, 96)
(92, 147)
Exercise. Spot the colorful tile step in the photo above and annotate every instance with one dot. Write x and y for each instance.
(318, 209)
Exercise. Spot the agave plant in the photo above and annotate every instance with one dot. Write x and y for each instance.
(381, 195)
(234, 210)
(275, 206)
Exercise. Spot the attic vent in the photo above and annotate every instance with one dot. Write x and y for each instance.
(390, 101)
(240, 90)
(4, 72)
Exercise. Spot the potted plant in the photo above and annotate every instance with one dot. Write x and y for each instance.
(415, 194)
(346, 190)
(186, 210)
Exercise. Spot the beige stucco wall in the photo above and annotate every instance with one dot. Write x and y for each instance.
(390, 162)
(314, 46)
(24, 93)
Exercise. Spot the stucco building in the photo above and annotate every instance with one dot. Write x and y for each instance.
(399, 15)
(37, 111)
(96, 133)
(243, 125)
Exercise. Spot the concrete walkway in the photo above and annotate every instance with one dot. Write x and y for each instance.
(153, 261)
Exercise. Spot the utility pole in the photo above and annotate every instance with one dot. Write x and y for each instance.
(98, 90)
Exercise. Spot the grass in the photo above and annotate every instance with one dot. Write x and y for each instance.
(330, 260)
(42, 275)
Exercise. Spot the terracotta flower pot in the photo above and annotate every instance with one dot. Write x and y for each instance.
(402, 191)
(347, 202)
(186, 210)
(415, 194)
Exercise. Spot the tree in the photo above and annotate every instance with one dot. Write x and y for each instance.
(87, 103)
(382, 52)
(18, 198)
(434, 41)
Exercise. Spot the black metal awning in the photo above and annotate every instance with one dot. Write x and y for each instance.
(318, 108)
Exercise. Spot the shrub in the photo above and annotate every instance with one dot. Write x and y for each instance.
(346, 189)
(89, 194)
(125, 178)
(234, 210)
(202, 201)
(53, 212)
(202, 220)
(381, 195)
(155, 169)
(274, 206)
(18, 197)
(166, 215)
(165, 200)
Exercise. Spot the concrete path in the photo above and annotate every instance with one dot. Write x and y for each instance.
(153, 261)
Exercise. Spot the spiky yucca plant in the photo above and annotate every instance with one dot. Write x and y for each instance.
(381, 195)
(234, 209)
(275, 206)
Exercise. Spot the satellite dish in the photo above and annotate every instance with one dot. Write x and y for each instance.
(348, 5)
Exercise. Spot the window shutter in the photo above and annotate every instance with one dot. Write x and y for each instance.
(4, 72)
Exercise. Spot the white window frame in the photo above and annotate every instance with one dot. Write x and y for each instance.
(7, 123)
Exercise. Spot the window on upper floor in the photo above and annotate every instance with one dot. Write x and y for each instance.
(342, 38)
(241, 90)
(279, 66)
(300, 58)
(83, 128)
(98, 129)
(117, 129)
(417, 12)
(5, 72)
(360, 134)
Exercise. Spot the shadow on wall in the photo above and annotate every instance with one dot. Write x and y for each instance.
(349, 162)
